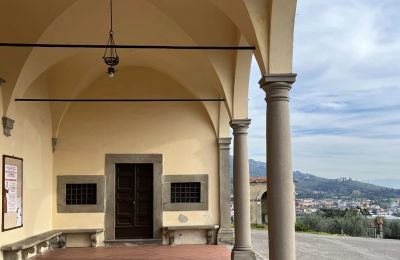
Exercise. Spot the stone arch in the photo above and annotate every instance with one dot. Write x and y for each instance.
(258, 190)
(209, 109)
(264, 208)
(261, 193)
(62, 85)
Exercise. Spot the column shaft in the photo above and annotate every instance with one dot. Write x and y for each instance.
(225, 232)
(241, 189)
(280, 200)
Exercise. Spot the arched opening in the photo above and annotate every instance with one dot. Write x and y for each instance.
(264, 209)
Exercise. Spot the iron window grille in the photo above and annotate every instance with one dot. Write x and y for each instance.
(185, 192)
(81, 194)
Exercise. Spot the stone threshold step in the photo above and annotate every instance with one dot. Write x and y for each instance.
(132, 242)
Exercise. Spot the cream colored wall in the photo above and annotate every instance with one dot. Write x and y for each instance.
(31, 140)
(182, 132)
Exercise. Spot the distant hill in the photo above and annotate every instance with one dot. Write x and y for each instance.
(311, 186)
(257, 168)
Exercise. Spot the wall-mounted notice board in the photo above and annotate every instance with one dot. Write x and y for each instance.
(12, 186)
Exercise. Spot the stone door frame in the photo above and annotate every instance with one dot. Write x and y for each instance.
(110, 161)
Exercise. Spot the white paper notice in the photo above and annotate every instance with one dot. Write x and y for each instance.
(11, 187)
(11, 178)
(12, 205)
(11, 172)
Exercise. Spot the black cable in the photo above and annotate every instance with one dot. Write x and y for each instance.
(111, 16)
(120, 100)
(123, 46)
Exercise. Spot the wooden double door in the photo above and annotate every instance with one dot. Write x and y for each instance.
(134, 201)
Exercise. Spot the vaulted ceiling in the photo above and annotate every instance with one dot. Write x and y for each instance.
(265, 24)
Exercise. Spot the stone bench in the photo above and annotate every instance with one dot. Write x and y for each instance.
(90, 233)
(36, 245)
(30, 245)
(211, 230)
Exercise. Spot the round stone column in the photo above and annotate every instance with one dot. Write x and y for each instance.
(225, 232)
(241, 191)
(280, 200)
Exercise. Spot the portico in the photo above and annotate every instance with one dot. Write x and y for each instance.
(159, 162)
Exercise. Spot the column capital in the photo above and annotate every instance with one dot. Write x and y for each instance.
(224, 142)
(240, 126)
(277, 86)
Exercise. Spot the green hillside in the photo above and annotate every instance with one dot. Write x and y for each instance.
(309, 185)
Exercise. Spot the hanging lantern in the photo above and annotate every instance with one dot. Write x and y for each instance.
(110, 56)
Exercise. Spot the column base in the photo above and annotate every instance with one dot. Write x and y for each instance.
(243, 255)
(226, 236)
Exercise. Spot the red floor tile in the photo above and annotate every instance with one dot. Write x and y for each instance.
(206, 252)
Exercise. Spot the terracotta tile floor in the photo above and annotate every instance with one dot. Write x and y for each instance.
(206, 252)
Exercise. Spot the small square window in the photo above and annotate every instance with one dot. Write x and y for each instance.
(81, 194)
(185, 192)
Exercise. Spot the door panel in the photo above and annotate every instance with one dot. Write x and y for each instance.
(124, 196)
(134, 201)
(144, 196)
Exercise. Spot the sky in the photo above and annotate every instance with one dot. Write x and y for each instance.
(345, 105)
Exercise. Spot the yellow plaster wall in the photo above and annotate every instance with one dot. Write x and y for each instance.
(182, 132)
(281, 31)
(31, 140)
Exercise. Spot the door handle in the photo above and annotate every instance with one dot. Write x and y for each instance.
(134, 202)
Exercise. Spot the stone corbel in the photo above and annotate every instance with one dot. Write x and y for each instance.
(54, 144)
(172, 238)
(26, 252)
(62, 240)
(93, 239)
(40, 246)
(8, 125)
